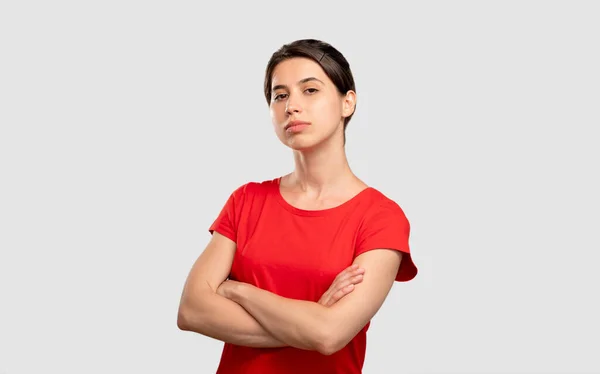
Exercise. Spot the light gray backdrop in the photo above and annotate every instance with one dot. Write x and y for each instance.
(125, 125)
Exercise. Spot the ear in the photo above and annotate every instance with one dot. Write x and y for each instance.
(348, 103)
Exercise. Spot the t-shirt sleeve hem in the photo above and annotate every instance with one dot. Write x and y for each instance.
(223, 231)
(407, 270)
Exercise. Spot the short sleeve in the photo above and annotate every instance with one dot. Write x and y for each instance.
(226, 222)
(386, 227)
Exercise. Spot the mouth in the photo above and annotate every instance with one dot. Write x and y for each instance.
(293, 124)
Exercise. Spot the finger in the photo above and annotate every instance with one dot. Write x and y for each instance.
(347, 286)
(352, 274)
(357, 271)
(349, 273)
(344, 272)
(351, 280)
(340, 286)
(340, 293)
(325, 297)
(357, 278)
(341, 278)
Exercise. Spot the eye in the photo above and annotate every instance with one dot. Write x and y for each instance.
(311, 90)
(279, 97)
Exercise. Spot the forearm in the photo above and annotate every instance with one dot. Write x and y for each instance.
(225, 320)
(301, 324)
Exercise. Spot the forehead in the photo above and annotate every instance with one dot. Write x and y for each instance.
(290, 71)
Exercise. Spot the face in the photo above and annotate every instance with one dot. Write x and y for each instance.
(306, 108)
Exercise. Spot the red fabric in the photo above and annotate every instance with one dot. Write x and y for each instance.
(296, 254)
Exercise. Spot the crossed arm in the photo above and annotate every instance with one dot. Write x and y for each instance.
(203, 311)
(246, 315)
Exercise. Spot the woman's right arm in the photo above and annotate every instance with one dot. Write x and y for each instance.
(203, 311)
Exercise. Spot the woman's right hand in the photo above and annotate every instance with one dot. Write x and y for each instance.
(342, 285)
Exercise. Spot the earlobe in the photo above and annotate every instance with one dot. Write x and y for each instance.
(349, 103)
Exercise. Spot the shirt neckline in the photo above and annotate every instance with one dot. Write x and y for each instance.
(314, 213)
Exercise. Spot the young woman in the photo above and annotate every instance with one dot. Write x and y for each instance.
(297, 266)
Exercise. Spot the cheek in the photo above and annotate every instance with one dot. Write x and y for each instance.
(278, 117)
(330, 111)
(277, 114)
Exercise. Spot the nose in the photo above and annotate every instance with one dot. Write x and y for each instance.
(292, 106)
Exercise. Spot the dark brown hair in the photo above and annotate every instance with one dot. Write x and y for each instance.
(330, 59)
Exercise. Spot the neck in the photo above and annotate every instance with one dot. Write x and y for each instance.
(321, 168)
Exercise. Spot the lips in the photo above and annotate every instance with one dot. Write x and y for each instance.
(296, 123)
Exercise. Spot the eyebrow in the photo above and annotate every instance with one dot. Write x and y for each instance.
(280, 86)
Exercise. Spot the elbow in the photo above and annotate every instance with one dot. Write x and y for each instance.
(328, 348)
(192, 311)
(190, 318)
(330, 343)
(194, 307)
(183, 320)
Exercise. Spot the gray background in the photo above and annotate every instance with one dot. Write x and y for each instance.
(125, 126)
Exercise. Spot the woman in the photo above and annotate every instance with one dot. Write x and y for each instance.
(297, 266)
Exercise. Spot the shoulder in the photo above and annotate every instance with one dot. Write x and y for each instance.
(381, 216)
(385, 226)
(253, 189)
(381, 205)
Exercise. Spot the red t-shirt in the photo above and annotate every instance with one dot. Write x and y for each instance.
(297, 253)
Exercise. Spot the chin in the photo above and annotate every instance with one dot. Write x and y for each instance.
(306, 141)
(298, 144)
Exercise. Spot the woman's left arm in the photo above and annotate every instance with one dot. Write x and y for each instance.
(309, 325)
